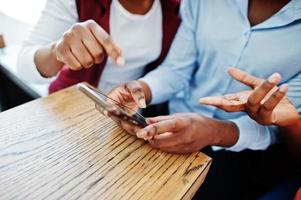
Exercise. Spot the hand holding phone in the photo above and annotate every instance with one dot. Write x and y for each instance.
(110, 107)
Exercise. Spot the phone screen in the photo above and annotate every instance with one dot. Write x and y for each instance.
(105, 105)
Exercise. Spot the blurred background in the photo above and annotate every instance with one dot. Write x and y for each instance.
(17, 17)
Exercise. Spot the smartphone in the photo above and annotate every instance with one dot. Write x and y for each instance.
(105, 104)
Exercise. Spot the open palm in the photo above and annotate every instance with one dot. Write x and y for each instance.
(264, 102)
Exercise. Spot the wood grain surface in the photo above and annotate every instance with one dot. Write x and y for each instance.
(60, 147)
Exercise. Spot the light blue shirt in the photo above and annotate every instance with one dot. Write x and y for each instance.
(217, 34)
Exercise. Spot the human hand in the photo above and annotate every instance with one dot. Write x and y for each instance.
(130, 96)
(86, 44)
(266, 103)
(187, 132)
(133, 94)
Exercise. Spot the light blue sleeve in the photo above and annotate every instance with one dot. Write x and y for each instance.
(253, 135)
(257, 137)
(176, 71)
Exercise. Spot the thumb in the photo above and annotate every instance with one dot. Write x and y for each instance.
(137, 93)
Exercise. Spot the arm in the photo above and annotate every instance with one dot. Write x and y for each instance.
(58, 40)
(176, 71)
(57, 14)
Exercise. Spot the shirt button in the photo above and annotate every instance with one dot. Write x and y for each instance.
(246, 33)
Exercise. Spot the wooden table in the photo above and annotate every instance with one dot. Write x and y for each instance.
(60, 147)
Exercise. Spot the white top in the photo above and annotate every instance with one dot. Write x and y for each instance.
(139, 37)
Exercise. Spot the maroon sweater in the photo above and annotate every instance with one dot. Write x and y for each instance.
(99, 11)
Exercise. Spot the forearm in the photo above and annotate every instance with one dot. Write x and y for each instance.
(226, 134)
(164, 83)
(175, 73)
(46, 61)
(56, 18)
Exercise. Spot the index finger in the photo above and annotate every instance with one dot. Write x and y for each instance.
(152, 120)
(166, 141)
(170, 125)
(244, 77)
(129, 127)
(106, 41)
(117, 94)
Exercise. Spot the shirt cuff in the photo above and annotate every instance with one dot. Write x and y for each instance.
(155, 86)
(217, 148)
(252, 135)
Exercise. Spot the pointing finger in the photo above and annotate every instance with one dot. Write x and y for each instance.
(244, 77)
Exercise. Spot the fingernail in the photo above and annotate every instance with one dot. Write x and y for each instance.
(274, 78)
(147, 138)
(231, 68)
(141, 134)
(106, 113)
(283, 88)
(142, 103)
(203, 100)
(148, 121)
(120, 61)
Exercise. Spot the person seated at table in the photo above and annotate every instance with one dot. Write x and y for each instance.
(73, 39)
(257, 36)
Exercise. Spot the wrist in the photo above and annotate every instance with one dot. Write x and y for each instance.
(226, 134)
(53, 54)
(53, 50)
(46, 61)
